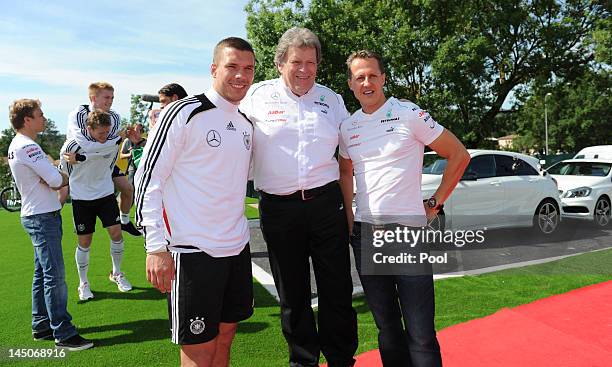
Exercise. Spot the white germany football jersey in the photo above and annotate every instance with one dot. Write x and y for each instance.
(195, 166)
(92, 178)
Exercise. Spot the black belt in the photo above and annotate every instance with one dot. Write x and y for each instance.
(302, 194)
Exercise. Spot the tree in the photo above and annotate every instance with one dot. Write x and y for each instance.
(458, 59)
(50, 140)
(5, 140)
(138, 112)
(579, 113)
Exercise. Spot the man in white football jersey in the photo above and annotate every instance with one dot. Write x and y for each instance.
(92, 191)
(101, 96)
(195, 168)
(383, 143)
(37, 180)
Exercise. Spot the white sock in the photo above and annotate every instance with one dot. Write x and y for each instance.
(125, 218)
(81, 256)
(116, 251)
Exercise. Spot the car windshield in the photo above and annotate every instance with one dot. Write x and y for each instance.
(433, 164)
(580, 169)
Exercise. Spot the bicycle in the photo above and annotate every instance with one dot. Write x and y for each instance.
(10, 198)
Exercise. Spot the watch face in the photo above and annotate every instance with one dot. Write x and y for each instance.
(432, 203)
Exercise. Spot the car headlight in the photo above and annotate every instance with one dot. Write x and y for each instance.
(579, 192)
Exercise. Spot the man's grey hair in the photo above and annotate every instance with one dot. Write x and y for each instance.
(296, 37)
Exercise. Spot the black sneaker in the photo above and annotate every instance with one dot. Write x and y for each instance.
(131, 229)
(75, 343)
(43, 335)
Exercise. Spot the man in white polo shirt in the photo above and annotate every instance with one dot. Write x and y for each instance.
(383, 144)
(37, 181)
(195, 167)
(301, 209)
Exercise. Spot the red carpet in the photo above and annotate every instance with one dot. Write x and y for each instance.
(568, 330)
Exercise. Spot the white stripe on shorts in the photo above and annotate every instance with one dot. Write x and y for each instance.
(174, 297)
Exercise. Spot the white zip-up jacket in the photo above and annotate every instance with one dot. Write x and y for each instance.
(195, 166)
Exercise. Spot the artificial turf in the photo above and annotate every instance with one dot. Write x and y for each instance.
(131, 329)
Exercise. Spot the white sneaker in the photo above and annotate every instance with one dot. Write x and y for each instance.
(122, 283)
(85, 292)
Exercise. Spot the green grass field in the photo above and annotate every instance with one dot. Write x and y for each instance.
(132, 329)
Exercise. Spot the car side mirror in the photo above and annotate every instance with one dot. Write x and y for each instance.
(469, 176)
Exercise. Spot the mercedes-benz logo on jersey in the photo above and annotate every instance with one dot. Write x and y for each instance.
(213, 138)
(275, 95)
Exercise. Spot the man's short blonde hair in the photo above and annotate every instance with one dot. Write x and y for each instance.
(96, 87)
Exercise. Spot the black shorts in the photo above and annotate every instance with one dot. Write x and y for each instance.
(84, 213)
(117, 172)
(206, 291)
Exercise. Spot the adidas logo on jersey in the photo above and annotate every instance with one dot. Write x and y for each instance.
(230, 126)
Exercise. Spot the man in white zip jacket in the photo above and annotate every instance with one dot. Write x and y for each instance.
(191, 184)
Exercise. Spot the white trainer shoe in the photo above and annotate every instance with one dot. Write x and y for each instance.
(122, 283)
(85, 292)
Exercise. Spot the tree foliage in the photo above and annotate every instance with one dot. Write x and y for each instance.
(579, 114)
(458, 59)
(138, 112)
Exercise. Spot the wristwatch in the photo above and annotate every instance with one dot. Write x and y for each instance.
(432, 203)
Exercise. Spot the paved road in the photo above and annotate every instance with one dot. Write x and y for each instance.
(502, 248)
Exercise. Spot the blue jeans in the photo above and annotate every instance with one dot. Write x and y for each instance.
(403, 307)
(49, 290)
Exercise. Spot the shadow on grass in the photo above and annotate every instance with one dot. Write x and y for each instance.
(262, 297)
(247, 327)
(135, 332)
(137, 293)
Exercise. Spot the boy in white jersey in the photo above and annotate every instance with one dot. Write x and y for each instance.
(93, 196)
(37, 180)
(195, 167)
(383, 143)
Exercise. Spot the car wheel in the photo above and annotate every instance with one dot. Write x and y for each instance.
(546, 218)
(601, 216)
(437, 223)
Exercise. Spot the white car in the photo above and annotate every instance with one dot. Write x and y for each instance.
(498, 189)
(585, 188)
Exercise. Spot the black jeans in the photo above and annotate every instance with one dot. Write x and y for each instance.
(403, 307)
(296, 231)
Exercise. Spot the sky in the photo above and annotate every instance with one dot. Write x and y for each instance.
(52, 50)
